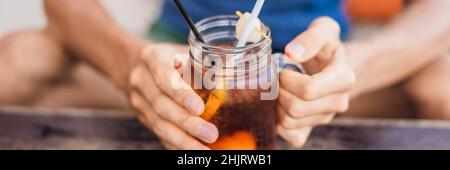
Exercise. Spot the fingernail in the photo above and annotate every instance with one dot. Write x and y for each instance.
(207, 133)
(194, 105)
(296, 50)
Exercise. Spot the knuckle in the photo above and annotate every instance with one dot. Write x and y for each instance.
(179, 95)
(158, 105)
(347, 75)
(286, 77)
(343, 105)
(288, 122)
(135, 101)
(310, 91)
(159, 76)
(295, 109)
(136, 77)
(147, 51)
(177, 82)
(327, 51)
(189, 124)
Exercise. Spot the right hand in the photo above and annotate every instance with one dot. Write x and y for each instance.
(171, 113)
(309, 100)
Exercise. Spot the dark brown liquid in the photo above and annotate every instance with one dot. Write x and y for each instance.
(243, 119)
(244, 111)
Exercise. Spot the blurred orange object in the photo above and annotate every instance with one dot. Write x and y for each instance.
(215, 101)
(378, 10)
(240, 140)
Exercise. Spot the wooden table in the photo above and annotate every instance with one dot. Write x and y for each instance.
(22, 128)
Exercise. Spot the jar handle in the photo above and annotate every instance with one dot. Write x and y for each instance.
(285, 63)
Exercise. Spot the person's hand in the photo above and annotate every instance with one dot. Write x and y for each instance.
(172, 113)
(308, 100)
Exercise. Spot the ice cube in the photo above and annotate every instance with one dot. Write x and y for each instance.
(255, 36)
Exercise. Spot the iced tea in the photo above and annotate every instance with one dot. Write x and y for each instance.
(245, 120)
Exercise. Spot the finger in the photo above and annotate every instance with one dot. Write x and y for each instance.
(167, 78)
(289, 122)
(335, 78)
(295, 83)
(146, 121)
(296, 137)
(177, 137)
(194, 125)
(169, 110)
(180, 60)
(297, 108)
(171, 134)
(322, 35)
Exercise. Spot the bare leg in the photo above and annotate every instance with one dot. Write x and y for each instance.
(425, 95)
(430, 89)
(84, 87)
(28, 62)
(390, 102)
(35, 71)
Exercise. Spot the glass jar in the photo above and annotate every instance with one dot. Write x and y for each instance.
(238, 85)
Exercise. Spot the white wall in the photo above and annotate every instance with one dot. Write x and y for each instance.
(20, 14)
(133, 15)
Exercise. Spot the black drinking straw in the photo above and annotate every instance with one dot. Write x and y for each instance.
(188, 20)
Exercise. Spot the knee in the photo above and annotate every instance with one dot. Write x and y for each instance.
(446, 109)
(33, 55)
(28, 62)
(436, 109)
(430, 91)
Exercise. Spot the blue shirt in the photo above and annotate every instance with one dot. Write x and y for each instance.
(286, 18)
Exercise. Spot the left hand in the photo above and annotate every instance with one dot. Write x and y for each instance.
(308, 100)
(166, 103)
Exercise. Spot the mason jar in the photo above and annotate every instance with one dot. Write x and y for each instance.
(238, 85)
